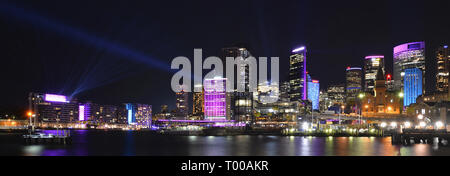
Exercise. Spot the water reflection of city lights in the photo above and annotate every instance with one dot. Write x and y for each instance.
(33, 150)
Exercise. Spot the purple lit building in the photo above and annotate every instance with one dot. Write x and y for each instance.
(297, 75)
(215, 99)
(53, 107)
(84, 111)
(408, 55)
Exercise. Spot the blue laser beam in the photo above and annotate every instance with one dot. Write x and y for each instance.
(76, 34)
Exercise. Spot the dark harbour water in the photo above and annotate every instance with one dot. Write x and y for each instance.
(132, 143)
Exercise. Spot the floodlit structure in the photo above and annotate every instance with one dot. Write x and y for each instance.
(408, 55)
(215, 99)
(139, 114)
(53, 108)
(412, 85)
(313, 93)
(297, 74)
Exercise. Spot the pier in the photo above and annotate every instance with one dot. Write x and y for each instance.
(61, 137)
(420, 137)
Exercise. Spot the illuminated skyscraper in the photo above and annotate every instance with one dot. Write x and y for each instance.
(408, 55)
(412, 85)
(313, 93)
(198, 107)
(284, 91)
(215, 99)
(443, 67)
(241, 103)
(371, 65)
(182, 105)
(297, 74)
(354, 81)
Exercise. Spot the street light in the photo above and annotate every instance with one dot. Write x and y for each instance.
(383, 124)
(361, 96)
(305, 125)
(407, 124)
(422, 124)
(31, 115)
(400, 94)
(420, 116)
(439, 124)
(393, 124)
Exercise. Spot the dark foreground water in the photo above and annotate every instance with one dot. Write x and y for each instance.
(148, 144)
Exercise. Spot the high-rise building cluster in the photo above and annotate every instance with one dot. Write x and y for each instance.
(370, 90)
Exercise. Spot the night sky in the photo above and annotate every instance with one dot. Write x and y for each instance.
(115, 52)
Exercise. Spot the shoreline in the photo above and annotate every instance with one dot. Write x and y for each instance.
(203, 133)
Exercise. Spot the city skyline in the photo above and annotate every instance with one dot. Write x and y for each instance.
(104, 82)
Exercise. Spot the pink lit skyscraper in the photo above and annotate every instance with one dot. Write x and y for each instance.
(215, 99)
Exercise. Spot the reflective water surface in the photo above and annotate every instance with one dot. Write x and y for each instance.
(148, 144)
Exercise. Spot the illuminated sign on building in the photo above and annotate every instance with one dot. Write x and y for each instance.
(55, 98)
(84, 111)
(81, 113)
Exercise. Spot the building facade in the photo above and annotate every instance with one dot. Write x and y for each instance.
(297, 75)
(443, 68)
(313, 93)
(382, 103)
(408, 55)
(241, 103)
(53, 108)
(284, 91)
(139, 114)
(198, 104)
(412, 85)
(182, 108)
(336, 94)
(353, 82)
(371, 65)
(215, 99)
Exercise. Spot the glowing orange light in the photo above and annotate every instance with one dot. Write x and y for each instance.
(29, 113)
